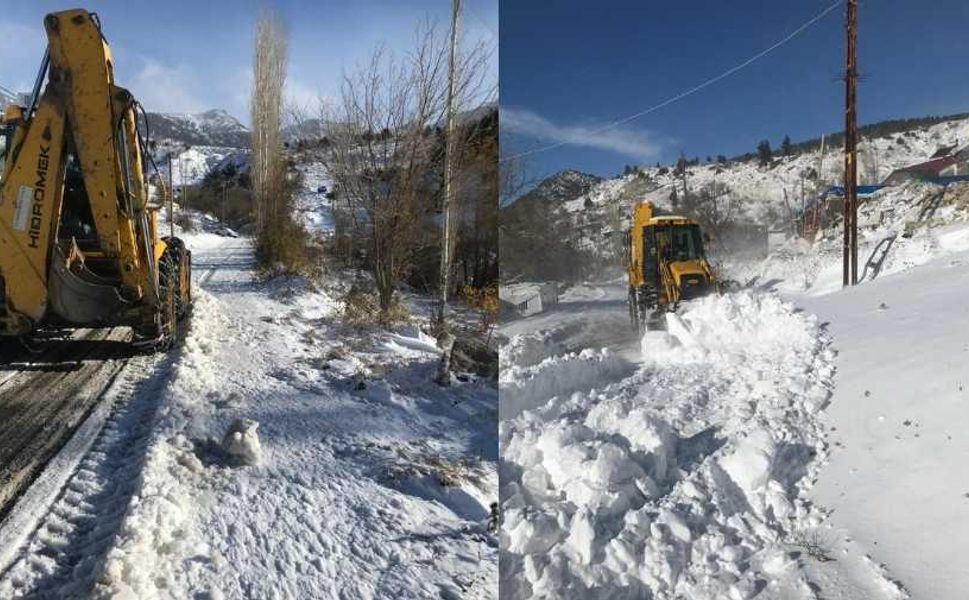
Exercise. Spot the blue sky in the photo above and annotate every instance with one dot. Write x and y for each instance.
(190, 56)
(569, 66)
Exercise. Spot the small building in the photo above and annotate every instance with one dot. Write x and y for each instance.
(955, 164)
(525, 299)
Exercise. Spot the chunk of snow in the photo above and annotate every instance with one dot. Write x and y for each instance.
(242, 442)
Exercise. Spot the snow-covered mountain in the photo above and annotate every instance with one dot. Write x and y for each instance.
(214, 127)
(561, 187)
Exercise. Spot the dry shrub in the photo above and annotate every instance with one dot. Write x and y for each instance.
(815, 544)
(423, 463)
(361, 308)
(283, 247)
(485, 300)
(186, 222)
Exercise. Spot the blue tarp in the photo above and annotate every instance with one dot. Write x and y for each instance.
(863, 190)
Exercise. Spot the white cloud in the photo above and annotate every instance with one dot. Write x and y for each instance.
(302, 95)
(634, 143)
(163, 88)
(21, 50)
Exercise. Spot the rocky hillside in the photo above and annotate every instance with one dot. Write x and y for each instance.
(211, 128)
(581, 215)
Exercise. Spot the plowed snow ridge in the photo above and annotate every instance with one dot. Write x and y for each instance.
(687, 478)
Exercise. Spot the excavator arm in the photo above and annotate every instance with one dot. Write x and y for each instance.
(78, 238)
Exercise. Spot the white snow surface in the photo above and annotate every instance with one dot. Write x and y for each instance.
(312, 207)
(897, 423)
(372, 481)
(687, 477)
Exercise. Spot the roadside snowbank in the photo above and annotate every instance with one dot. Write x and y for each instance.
(899, 228)
(686, 479)
(895, 481)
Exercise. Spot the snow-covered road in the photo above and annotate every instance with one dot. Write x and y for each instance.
(683, 474)
(373, 481)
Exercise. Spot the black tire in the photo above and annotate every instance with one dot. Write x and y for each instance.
(169, 293)
(182, 257)
(633, 308)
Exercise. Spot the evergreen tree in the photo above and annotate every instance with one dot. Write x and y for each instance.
(763, 153)
(786, 146)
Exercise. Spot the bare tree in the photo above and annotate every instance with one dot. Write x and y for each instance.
(715, 208)
(384, 152)
(269, 77)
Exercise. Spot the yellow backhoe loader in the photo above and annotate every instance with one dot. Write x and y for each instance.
(79, 241)
(665, 265)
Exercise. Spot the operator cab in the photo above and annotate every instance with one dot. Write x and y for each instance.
(673, 242)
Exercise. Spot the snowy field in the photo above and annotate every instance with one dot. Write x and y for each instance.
(897, 423)
(368, 480)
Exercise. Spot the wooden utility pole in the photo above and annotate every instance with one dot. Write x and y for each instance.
(850, 250)
(171, 197)
(448, 165)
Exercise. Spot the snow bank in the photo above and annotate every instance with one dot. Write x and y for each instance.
(524, 388)
(686, 479)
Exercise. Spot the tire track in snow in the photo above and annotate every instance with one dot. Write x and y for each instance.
(64, 555)
(69, 375)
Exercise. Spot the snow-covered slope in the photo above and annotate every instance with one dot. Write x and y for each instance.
(313, 207)
(761, 195)
(190, 166)
(211, 128)
(897, 420)
(562, 186)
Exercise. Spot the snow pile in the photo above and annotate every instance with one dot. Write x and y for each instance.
(145, 557)
(241, 441)
(527, 349)
(687, 479)
(526, 387)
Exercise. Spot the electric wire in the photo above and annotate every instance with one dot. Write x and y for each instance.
(690, 91)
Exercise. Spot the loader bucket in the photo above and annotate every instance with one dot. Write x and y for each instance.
(78, 296)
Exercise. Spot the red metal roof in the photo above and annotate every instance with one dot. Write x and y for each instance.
(932, 166)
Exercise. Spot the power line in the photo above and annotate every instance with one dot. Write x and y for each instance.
(690, 91)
